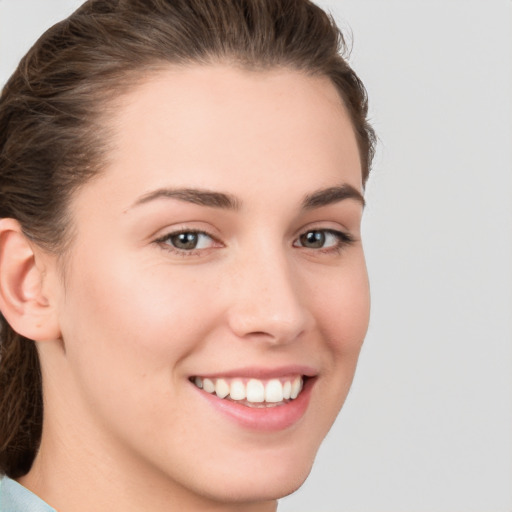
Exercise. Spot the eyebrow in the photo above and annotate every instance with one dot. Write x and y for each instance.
(332, 195)
(225, 201)
(195, 196)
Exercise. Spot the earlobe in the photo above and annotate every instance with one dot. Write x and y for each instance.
(23, 302)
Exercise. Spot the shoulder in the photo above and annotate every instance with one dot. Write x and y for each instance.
(16, 498)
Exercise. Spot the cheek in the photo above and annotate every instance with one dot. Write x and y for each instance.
(122, 322)
(341, 306)
(127, 329)
(342, 309)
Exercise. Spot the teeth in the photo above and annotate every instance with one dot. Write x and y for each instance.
(287, 390)
(221, 388)
(208, 385)
(296, 387)
(274, 391)
(237, 390)
(254, 391)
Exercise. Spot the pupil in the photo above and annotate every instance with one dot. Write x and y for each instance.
(313, 239)
(185, 240)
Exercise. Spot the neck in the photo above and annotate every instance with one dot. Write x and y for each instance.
(82, 483)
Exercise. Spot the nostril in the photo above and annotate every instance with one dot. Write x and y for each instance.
(259, 334)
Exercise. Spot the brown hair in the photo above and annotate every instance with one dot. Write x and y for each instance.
(52, 140)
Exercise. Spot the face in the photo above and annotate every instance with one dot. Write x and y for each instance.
(215, 296)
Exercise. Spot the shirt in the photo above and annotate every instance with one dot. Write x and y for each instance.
(16, 498)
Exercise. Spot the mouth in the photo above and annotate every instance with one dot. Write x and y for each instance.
(254, 393)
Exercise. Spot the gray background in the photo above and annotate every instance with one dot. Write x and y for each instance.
(428, 423)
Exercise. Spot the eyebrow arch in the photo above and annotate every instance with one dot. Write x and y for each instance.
(332, 195)
(193, 195)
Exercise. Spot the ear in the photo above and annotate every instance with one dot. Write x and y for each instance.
(23, 301)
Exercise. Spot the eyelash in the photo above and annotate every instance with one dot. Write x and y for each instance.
(164, 242)
(342, 241)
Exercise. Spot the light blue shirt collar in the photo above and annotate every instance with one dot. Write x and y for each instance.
(16, 498)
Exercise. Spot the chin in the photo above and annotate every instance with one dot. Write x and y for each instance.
(260, 480)
(256, 488)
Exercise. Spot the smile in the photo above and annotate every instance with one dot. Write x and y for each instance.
(253, 392)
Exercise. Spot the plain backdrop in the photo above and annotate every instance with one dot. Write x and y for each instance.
(427, 426)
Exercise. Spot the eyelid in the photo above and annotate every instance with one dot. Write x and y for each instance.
(345, 239)
(162, 241)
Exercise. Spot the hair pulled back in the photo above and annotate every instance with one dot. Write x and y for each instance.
(52, 139)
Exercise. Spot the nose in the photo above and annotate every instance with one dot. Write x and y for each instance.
(268, 303)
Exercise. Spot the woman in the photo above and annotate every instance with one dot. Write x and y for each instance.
(182, 281)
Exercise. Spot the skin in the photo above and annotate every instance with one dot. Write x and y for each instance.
(124, 428)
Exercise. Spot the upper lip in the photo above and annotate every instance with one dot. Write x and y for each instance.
(257, 372)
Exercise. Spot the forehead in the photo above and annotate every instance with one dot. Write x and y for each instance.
(212, 126)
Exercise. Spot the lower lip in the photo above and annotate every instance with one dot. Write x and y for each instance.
(264, 419)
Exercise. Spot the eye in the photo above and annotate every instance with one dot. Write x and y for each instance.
(185, 241)
(323, 239)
